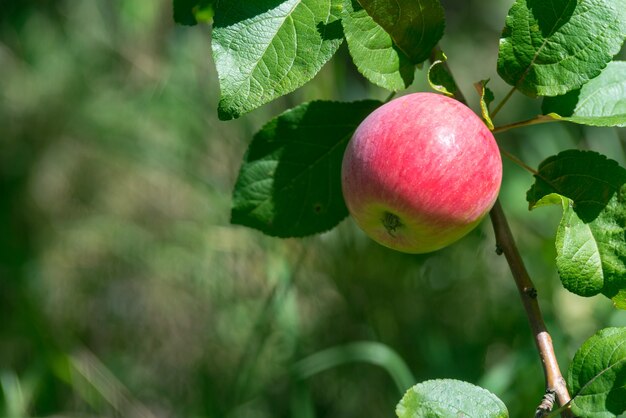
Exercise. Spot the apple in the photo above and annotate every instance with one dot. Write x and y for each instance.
(420, 172)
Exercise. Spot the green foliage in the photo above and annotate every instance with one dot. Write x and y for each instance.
(486, 98)
(550, 47)
(450, 398)
(591, 239)
(265, 49)
(600, 102)
(192, 12)
(590, 254)
(439, 76)
(415, 26)
(373, 51)
(589, 179)
(597, 375)
(290, 182)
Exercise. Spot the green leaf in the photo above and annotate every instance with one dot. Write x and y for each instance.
(591, 256)
(192, 12)
(290, 182)
(597, 375)
(578, 258)
(414, 25)
(264, 49)
(486, 98)
(600, 102)
(591, 237)
(619, 300)
(549, 47)
(440, 78)
(450, 398)
(586, 177)
(373, 51)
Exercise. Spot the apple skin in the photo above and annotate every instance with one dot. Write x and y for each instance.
(420, 172)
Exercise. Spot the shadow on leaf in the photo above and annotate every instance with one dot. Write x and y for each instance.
(561, 105)
(330, 31)
(551, 15)
(230, 12)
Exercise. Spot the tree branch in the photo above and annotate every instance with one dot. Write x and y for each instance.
(506, 245)
(502, 103)
(533, 121)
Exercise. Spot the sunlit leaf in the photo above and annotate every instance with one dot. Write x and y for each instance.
(591, 237)
(600, 102)
(550, 47)
(414, 25)
(597, 375)
(373, 51)
(450, 398)
(440, 78)
(264, 49)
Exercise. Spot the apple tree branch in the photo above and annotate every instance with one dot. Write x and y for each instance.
(505, 244)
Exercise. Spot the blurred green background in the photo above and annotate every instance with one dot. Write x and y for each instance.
(125, 292)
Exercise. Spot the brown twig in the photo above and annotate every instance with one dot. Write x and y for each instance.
(502, 103)
(534, 121)
(505, 244)
(519, 162)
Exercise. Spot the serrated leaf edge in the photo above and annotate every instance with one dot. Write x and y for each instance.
(593, 379)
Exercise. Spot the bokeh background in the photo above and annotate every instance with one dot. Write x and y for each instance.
(125, 292)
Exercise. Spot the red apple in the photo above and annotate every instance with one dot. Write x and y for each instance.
(420, 172)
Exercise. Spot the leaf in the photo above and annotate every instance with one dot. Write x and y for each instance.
(414, 25)
(440, 78)
(486, 98)
(597, 375)
(591, 237)
(192, 12)
(450, 398)
(264, 49)
(578, 258)
(591, 256)
(549, 47)
(586, 177)
(290, 182)
(373, 51)
(600, 102)
(619, 300)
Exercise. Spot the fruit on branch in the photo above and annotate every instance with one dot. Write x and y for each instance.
(420, 172)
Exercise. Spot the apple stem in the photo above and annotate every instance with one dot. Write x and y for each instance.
(528, 293)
